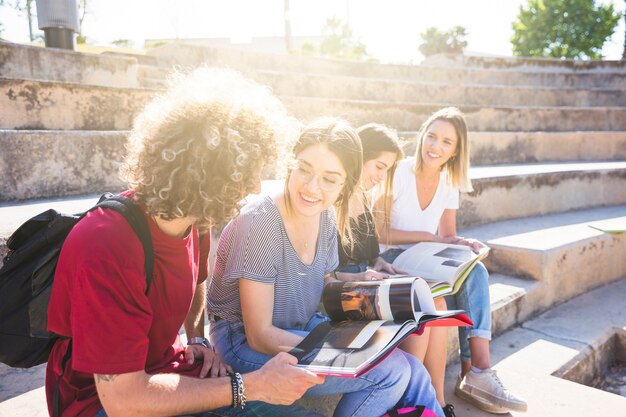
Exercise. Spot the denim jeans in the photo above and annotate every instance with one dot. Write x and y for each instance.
(252, 409)
(473, 297)
(400, 380)
(353, 268)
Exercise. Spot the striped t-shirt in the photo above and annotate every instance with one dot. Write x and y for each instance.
(255, 246)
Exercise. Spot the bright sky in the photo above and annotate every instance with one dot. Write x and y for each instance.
(389, 28)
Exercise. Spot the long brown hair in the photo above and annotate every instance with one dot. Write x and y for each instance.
(342, 140)
(376, 139)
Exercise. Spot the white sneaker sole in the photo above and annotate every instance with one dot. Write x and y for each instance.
(480, 402)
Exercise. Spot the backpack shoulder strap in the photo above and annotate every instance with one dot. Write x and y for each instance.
(137, 220)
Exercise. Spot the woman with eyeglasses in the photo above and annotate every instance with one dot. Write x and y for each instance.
(271, 265)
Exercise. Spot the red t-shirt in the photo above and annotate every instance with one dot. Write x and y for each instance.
(98, 299)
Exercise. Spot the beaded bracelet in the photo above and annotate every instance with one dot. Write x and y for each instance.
(239, 394)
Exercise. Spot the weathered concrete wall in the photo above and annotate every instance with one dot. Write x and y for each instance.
(49, 64)
(36, 105)
(535, 194)
(39, 164)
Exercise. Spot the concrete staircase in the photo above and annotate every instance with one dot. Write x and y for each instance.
(548, 149)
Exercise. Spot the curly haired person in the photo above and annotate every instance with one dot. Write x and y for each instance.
(194, 153)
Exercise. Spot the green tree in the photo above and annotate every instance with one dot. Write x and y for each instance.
(338, 42)
(563, 28)
(435, 41)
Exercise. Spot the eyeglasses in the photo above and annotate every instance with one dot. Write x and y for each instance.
(327, 183)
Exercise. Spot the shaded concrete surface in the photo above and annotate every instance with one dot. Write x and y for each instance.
(527, 356)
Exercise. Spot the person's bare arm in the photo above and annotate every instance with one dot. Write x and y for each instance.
(194, 323)
(257, 307)
(138, 394)
(447, 232)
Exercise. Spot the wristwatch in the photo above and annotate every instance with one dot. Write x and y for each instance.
(199, 341)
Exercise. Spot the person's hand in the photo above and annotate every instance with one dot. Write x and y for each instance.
(382, 265)
(211, 361)
(474, 244)
(280, 382)
(371, 275)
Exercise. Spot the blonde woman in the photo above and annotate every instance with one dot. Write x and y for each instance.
(423, 209)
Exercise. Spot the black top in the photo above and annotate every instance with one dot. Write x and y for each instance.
(365, 250)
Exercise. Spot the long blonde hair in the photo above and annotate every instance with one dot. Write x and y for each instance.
(457, 167)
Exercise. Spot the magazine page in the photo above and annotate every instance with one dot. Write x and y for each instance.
(371, 300)
(349, 348)
(434, 261)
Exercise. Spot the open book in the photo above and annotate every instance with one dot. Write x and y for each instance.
(444, 266)
(369, 319)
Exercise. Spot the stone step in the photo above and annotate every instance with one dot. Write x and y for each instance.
(152, 72)
(12, 215)
(359, 88)
(526, 63)
(491, 148)
(409, 116)
(64, 106)
(560, 250)
(180, 54)
(51, 64)
(30, 104)
(517, 191)
(39, 164)
(531, 359)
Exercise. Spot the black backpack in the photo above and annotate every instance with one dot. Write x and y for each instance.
(27, 275)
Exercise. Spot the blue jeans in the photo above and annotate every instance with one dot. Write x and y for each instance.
(252, 409)
(353, 268)
(473, 297)
(400, 380)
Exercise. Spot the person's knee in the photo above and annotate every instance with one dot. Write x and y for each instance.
(480, 272)
(394, 370)
(440, 303)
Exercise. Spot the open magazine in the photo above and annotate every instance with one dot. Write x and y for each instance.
(444, 266)
(369, 319)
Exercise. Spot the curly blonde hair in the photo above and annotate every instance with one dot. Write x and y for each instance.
(199, 148)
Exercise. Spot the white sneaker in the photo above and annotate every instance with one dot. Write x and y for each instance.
(486, 391)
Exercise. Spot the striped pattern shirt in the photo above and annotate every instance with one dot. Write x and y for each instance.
(255, 246)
